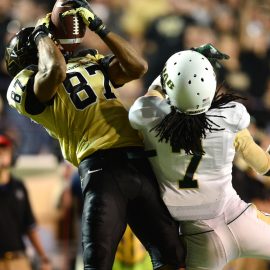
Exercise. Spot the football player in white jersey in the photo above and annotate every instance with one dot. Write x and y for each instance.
(196, 131)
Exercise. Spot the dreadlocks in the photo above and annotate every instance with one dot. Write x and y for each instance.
(185, 131)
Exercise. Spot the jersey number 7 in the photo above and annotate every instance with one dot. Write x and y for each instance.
(188, 181)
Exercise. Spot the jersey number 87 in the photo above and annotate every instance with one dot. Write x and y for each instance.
(77, 85)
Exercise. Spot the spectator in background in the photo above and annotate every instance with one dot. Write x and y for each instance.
(232, 72)
(5, 17)
(13, 16)
(110, 12)
(246, 25)
(138, 14)
(17, 219)
(164, 36)
(225, 20)
(186, 24)
(255, 55)
(70, 205)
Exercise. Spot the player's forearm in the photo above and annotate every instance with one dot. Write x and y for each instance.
(51, 69)
(252, 153)
(133, 64)
(51, 60)
(35, 241)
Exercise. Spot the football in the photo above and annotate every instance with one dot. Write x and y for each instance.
(68, 30)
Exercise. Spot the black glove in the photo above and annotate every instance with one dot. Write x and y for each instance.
(41, 29)
(90, 19)
(212, 54)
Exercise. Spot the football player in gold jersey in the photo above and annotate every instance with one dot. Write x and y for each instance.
(75, 103)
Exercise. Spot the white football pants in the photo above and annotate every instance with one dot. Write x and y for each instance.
(211, 244)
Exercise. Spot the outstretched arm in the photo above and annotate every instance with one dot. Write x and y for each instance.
(51, 70)
(252, 153)
(36, 242)
(51, 65)
(127, 64)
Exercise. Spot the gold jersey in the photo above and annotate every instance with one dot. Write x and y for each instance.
(84, 115)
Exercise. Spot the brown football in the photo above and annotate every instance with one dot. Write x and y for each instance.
(68, 30)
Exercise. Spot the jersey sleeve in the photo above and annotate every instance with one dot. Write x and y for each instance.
(17, 90)
(147, 111)
(237, 118)
(20, 96)
(243, 117)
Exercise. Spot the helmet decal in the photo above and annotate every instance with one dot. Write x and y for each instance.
(166, 80)
(20, 53)
(189, 81)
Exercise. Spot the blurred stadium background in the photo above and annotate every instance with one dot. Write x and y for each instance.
(157, 28)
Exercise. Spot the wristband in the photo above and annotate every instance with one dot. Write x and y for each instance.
(38, 36)
(98, 27)
(102, 31)
(39, 32)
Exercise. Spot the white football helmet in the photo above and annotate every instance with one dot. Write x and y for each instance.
(189, 81)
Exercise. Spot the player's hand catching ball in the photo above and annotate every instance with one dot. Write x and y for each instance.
(44, 21)
(90, 19)
(42, 28)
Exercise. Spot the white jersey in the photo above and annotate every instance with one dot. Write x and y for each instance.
(192, 187)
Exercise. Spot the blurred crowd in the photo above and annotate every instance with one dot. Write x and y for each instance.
(158, 28)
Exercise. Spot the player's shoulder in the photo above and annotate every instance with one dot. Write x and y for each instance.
(236, 112)
(235, 115)
(150, 106)
(147, 110)
(26, 73)
(19, 86)
(20, 81)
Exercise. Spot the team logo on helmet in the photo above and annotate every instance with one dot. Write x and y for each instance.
(166, 79)
(20, 53)
(189, 81)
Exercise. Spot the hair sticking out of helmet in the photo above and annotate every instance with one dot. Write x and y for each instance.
(189, 81)
(20, 53)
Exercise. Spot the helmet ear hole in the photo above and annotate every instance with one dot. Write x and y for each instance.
(19, 53)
